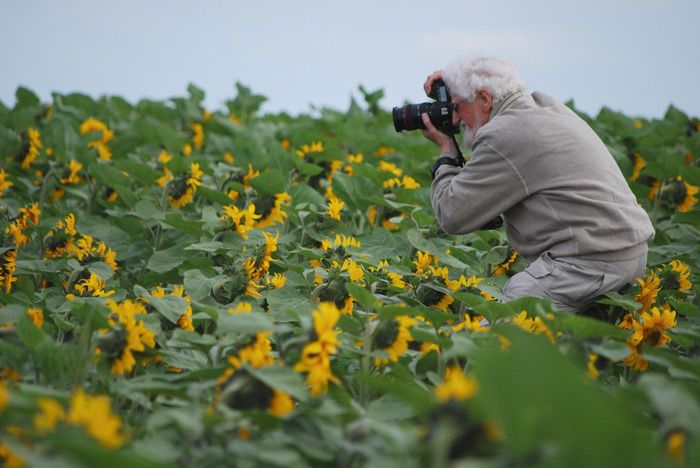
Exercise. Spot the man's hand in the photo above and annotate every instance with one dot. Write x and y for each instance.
(428, 85)
(447, 146)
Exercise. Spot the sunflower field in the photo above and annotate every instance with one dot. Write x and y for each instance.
(192, 287)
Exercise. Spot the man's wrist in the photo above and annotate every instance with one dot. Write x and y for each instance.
(444, 160)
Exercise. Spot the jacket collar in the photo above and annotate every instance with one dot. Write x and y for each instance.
(504, 103)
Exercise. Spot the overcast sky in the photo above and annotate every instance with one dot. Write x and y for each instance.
(633, 56)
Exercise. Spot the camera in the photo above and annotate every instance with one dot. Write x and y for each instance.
(408, 117)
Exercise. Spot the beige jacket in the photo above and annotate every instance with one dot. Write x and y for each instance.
(557, 185)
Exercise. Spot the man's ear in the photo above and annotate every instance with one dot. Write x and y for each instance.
(485, 100)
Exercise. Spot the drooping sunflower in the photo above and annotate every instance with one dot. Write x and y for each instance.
(505, 266)
(649, 290)
(4, 183)
(93, 286)
(639, 164)
(7, 269)
(127, 335)
(635, 360)
(70, 174)
(100, 144)
(18, 225)
(242, 220)
(335, 206)
(198, 135)
(392, 336)
(257, 353)
(256, 267)
(315, 356)
(31, 147)
(91, 413)
(456, 386)
(533, 325)
(86, 251)
(57, 243)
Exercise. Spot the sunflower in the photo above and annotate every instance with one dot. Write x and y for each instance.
(652, 328)
(181, 190)
(391, 168)
(654, 189)
(334, 208)
(689, 199)
(57, 243)
(532, 325)
(392, 336)
(473, 324)
(198, 137)
(256, 267)
(649, 289)
(281, 404)
(315, 356)
(341, 240)
(4, 183)
(639, 164)
(37, 316)
(185, 320)
(257, 354)
(126, 336)
(70, 175)
(635, 360)
(505, 266)
(242, 220)
(20, 223)
(424, 261)
(456, 386)
(270, 209)
(7, 269)
(86, 251)
(93, 125)
(681, 277)
(31, 148)
(314, 147)
(384, 151)
(354, 270)
(591, 370)
(92, 413)
(90, 287)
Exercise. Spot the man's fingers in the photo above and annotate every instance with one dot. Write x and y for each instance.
(428, 85)
(427, 122)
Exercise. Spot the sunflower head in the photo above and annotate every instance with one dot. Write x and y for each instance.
(243, 392)
(385, 334)
(228, 290)
(112, 343)
(334, 291)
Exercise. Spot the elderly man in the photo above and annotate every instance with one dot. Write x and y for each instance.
(566, 206)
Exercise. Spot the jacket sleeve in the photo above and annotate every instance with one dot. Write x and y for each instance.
(466, 198)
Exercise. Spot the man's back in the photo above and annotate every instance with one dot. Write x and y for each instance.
(576, 201)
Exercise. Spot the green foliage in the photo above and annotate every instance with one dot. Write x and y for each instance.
(188, 271)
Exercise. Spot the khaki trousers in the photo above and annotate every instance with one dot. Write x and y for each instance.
(572, 284)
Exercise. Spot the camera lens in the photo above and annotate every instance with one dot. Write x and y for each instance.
(409, 117)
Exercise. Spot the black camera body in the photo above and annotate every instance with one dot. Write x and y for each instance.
(409, 117)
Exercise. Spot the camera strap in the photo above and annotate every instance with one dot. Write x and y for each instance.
(460, 157)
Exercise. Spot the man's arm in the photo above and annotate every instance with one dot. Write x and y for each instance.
(465, 199)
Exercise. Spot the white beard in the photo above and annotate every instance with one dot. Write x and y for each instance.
(470, 133)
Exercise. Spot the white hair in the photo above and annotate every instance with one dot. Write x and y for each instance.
(467, 75)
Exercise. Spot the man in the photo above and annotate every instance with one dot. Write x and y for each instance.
(566, 206)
